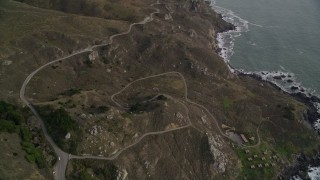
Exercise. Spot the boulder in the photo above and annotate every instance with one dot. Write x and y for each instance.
(68, 136)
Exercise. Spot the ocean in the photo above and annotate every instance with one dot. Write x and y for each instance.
(278, 40)
(275, 36)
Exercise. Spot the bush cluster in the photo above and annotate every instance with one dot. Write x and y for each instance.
(12, 121)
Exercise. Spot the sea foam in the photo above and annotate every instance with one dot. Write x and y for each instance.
(314, 173)
(286, 81)
(226, 39)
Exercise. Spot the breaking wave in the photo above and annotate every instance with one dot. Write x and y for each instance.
(286, 81)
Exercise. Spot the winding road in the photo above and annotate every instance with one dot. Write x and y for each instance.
(63, 157)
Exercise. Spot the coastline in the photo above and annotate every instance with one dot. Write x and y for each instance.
(283, 81)
(305, 166)
(215, 86)
(312, 115)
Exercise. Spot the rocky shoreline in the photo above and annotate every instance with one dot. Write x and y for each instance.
(296, 91)
(293, 89)
(299, 93)
(302, 167)
(302, 164)
(312, 114)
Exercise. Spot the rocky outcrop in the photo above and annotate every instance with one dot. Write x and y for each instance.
(68, 136)
(219, 157)
(195, 5)
(168, 17)
(93, 56)
(192, 33)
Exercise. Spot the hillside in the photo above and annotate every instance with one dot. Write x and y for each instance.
(154, 101)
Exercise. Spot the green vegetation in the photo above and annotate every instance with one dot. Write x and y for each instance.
(283, 146)
(256, 172)
(84, 175)
(126, 115)
(6, 107)
(71, 92)
(98, 110)
(113, 30)
(59, 123)
(114, 126)
(67, 104)
(96, 8)
(11, 113)
(16, 117)
(144, 44)
(14, 122)
(162, 97)
(34, 155)
(25, 134)
(289, 112)
(227, 103)
(205, 150)
(7, 126)
(107, 173)
(73, 6)
(88, 62)
(103, 109)
(10, 117)
(61, 120)
(116, 11)
(54, 67)
(144, 106)
(83, 169)
(294, 143)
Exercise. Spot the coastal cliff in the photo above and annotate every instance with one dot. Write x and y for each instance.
(156, 100)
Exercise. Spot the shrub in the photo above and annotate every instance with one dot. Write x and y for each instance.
(30, 158)
(16, 117)
(71, 92)
(39, 159)
(288, 112)
(88, 62)
(28, 147)
(6, 107)
(103, 109)
(34, 155)
(162, 97)
(58, 123)
(144, 44)
(25, 134)
(227, 103)
(84, 175)
(7, 126)
(15, 120)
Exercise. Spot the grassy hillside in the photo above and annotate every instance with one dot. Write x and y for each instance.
(22, 147)
(120, 10)
(31, 36)
(80, 91)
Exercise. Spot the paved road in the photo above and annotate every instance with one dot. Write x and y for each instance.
(114, 156)
(185, 95)
(60, 166)
(191, 102)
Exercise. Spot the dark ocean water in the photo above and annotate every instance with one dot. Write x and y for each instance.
(275, 36)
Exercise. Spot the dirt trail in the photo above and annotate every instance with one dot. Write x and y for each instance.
(60, 166)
